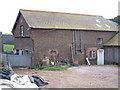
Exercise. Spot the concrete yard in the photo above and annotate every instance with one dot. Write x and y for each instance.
(77, 77)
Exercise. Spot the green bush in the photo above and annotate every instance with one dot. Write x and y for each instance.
(34, 66)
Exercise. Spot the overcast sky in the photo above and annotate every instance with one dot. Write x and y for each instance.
(9, 9)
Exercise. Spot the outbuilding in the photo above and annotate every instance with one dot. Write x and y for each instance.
(61, 36)
(112, 50)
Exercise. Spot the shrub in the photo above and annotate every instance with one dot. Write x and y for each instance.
(34, 66)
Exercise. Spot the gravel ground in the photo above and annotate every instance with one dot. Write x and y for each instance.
(77, 77)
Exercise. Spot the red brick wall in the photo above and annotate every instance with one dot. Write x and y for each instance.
(42, 41)
(21, 22)
(26, 41)
(23, 43)
(45, 40)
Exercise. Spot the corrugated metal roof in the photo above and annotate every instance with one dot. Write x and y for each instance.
(43, 19)
(115, 41)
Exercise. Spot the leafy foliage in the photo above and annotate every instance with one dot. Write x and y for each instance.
(116, 19)
(8, 39)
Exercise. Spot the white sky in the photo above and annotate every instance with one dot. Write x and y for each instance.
(9, 9)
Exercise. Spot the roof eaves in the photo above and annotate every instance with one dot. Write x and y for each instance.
(83, 29)
(111, 45)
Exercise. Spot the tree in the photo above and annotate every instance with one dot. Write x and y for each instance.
(116, 19)
(8, 39)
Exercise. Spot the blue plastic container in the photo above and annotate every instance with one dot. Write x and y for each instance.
(75, 62)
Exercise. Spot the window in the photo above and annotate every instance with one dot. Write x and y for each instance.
(22, 30)
(27, 52)
(17, 52)
(92, 54)
(79, 51)
(98, 21)
(107, 26)
(99, 40)
(20, 52)
(53, 52)
(98, 25)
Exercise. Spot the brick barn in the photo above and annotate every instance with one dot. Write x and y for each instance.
(61, 36)
(112, 50)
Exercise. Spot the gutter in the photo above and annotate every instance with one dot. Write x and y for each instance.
(74, 29)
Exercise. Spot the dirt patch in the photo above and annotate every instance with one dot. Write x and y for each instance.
(77, 77)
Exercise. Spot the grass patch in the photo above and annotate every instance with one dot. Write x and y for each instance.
(57, 68)
(35, 66)
(50, 67)
(7, 47)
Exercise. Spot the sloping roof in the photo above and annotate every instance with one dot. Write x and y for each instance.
(115, 41)
(57, 20)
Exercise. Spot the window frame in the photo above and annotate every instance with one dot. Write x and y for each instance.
(99, 41)
(21, 30)
(93, 54)
(27, 52)
(53, 52)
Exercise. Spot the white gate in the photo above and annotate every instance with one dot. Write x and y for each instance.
(100, 57)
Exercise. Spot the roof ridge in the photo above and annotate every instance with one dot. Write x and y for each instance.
(58, 12)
